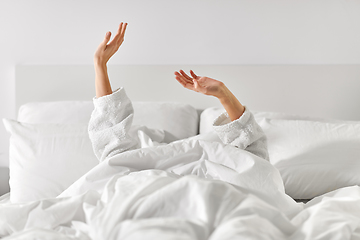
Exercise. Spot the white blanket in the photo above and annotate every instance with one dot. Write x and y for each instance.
(227, 195)
(198, 188)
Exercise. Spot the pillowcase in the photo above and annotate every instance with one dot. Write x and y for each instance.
(50, 147)
(208, 116)
(56, 112)
(313, 157)
(46, 158)
(177, 119)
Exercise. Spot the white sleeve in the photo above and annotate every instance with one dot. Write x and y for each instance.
(110, 123)
(243, 133)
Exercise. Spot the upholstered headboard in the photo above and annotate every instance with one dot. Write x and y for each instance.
(325, 91)
(330, 91)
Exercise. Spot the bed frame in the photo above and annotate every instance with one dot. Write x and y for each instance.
(328, 91)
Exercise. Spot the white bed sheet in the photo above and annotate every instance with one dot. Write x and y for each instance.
(190, 189)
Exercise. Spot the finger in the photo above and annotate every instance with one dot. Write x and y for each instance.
(180, 81)
(118, 38)
(123, 29)
(122, 34)
(185, 75)
(120, 27)
(179, 76)
(107, 38)
(183, 81)
(119, 32)
(193, 74)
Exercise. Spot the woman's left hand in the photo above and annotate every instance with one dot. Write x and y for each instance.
(212, 87)
(205, 85)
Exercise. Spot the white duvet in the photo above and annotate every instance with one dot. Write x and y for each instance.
(200, 190)
(197, 188)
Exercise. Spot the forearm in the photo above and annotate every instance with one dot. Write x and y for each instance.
(102, 82)
(110, 124)
(102, 55)
(244, 133)
(231, 104)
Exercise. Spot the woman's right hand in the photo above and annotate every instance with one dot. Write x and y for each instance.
(105, 51)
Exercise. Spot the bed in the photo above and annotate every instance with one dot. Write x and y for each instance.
(193, 188)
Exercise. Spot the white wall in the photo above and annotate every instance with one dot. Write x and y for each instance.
(174, 32)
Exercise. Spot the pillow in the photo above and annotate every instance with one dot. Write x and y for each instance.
(52, 149)
(46, 158)
(314, 157)
(177, 119)
(56, 112)
(208, 116)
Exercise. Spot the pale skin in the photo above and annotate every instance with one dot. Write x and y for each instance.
(204, 85)
(102, 55)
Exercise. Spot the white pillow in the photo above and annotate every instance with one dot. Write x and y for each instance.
(46, 158)
(208, 116)
(52, 148)
(178, 119)
(314, 157)
(56, 112)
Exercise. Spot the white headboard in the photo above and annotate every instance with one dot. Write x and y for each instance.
(330, 91)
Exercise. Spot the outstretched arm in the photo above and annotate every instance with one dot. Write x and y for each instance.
(212, 87)
(112, 116)
(241, 131)
(102, 55)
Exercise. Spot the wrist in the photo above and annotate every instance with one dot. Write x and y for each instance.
(100, 65)
(231, 104)
(224, 95)
(100, 60)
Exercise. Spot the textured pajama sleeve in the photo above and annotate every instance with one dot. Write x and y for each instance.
(243, 133)
(110, 123)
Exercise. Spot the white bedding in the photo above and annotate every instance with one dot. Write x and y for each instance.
(226, 197)
(124, 197)
(196, 188)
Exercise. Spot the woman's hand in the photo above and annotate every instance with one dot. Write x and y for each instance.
(212, 87)
(102, 55)
(105, 51)
(205, 85)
